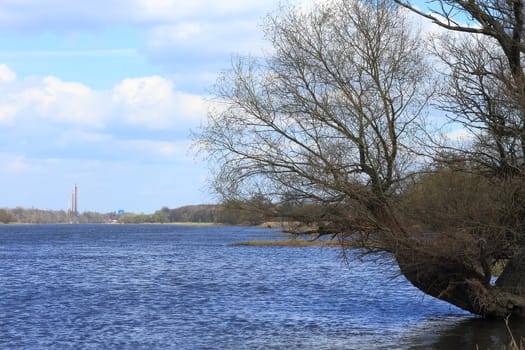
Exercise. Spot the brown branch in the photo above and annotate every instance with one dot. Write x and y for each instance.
(435, 20)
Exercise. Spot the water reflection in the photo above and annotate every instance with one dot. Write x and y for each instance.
(469, 333)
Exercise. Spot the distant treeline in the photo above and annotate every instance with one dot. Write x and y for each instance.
(253, 212)
(46, 216)
(205, 213)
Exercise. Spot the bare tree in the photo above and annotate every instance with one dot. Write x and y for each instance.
(329, 116)
(484, 91)
(502, 20)
(475, 94)
(332, 117)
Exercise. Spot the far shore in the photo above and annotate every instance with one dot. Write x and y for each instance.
(117, 223)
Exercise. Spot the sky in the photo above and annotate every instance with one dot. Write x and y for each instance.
(105, 93)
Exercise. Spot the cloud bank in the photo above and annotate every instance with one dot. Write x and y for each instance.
(137, 116)
(148, 102)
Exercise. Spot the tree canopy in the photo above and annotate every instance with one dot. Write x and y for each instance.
(334, 118)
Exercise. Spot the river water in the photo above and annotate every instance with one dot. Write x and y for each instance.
(181, 287)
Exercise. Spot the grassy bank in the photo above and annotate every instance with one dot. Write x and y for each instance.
(189, 223)
(289, 243)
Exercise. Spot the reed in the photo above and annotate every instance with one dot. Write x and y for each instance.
(514, 345)
(289, 243)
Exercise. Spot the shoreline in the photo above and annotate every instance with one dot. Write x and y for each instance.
(298, 243)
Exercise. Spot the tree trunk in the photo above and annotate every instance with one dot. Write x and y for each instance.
(455, 282)
(453, 268)
(512, 279)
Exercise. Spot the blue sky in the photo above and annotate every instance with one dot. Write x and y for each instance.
(104, 93)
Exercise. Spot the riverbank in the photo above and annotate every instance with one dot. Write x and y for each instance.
(289, 243)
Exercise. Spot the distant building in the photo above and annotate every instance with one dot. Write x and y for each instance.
(74, 201)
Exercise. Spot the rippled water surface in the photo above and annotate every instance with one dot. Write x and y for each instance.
(177, 287)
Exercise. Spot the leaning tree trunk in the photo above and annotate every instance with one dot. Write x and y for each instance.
(454, 269)
(455, 282)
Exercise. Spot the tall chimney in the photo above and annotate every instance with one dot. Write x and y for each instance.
(74, 201)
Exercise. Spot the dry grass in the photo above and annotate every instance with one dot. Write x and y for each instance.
(191, 223)
(289, 243)
(514, 345)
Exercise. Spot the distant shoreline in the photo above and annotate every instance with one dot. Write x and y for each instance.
(115, 223)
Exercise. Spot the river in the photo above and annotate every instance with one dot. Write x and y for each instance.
(184, 287)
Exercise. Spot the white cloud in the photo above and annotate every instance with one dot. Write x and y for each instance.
(205, 37)
(65, 15)
(173, 10)
(460, 135)
(15, 164)
(77, 136)
(152, 102)
(7, 114)
(158, 148)
(178, 35)
(119, 146)
(140, 119)
(54, 100)
(67, 53)
(147, 102)
(6, 74)
(175, 34)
